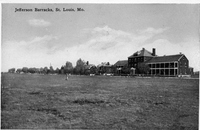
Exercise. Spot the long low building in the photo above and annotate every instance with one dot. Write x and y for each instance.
(171, 65)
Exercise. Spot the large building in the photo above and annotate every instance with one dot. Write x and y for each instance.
(171, 65)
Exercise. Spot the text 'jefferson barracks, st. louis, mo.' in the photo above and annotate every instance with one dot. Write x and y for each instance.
(49, 9)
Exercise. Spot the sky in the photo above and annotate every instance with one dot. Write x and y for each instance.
(100, 33)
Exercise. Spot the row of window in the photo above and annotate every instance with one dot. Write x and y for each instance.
(160, 65)
(164, 65)
(136, 59)
(133, 65)
(164, 71)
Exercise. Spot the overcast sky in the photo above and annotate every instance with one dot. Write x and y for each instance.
(101, 33)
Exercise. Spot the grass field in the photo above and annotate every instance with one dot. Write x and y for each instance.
(98, 102)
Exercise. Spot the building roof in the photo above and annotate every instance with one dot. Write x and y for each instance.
(121, 63)
(105, 64)
(169, 58)
(142, 52)
(89, 66)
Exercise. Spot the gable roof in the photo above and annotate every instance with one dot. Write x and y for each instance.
(121, 63)
(89, 66)
(169, 58)
(142, 52)
(104, 64)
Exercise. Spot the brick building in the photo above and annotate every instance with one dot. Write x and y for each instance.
(121, 63)
(171, 65)
(104, 68)
(121, 67)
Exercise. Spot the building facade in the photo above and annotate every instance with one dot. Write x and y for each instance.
(173, 65)
(104, 68)
(140, 57)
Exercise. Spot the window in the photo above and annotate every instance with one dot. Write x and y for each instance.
(166, 71)
(166, 65)
(172, 65)
(176, 64)
(176, 71)
(150, 72)
(149, 65)
(157, 71)
(162, 71)
(171, 71)
(162, 65)
(153, 71)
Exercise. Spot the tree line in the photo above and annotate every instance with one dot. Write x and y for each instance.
(81, 68)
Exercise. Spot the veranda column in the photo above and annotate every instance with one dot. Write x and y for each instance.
(159, 68)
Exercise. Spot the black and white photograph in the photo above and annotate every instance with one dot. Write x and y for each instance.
(127, 66)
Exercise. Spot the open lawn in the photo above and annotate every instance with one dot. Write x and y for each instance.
(98, 102)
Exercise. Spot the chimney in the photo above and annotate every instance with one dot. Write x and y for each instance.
(154, 52)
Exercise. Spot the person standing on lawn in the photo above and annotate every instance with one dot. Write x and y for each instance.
(67, 77)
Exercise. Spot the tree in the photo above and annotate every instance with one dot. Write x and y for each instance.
(61, 70)
(51, 70)
(93, 70)
(25, 69)
(143, 68)
(31, 70)
(46, 70)
(68, 68)
(57, 71)
(37, 70)
(12, 70)
(125, 69)
(19, 70)
(80, 66)
(41, 70)
(113, 69)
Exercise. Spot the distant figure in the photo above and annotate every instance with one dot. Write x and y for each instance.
(66, 77)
